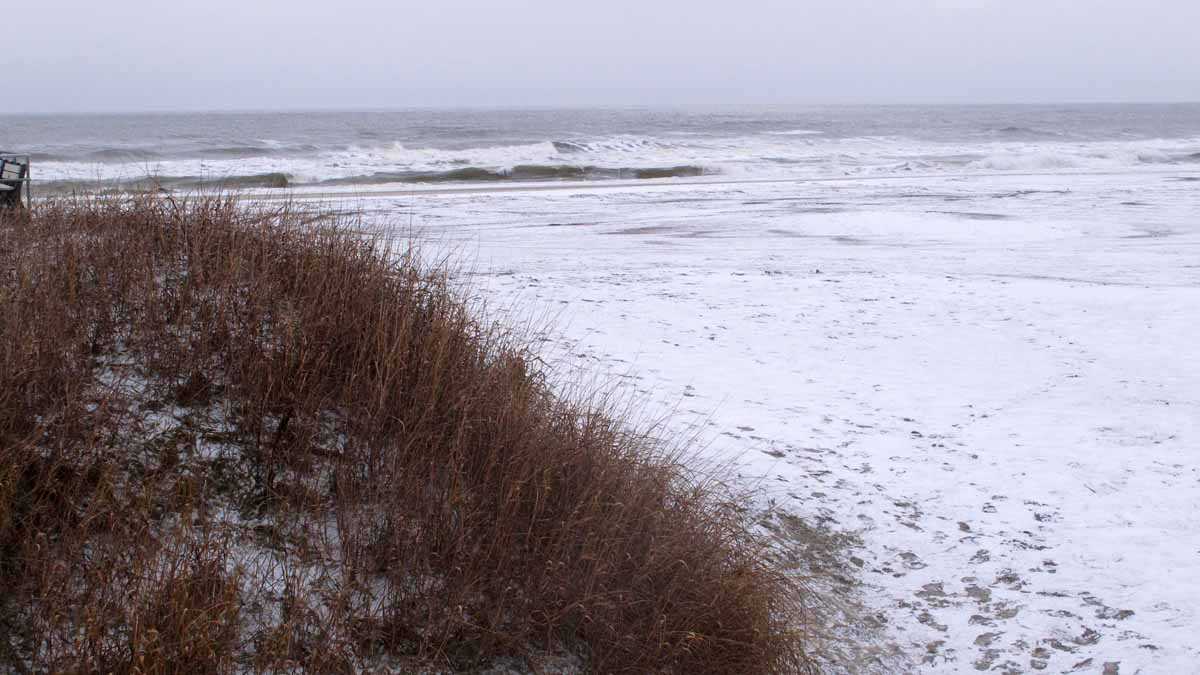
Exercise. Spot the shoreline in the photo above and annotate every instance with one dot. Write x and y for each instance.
(392, 189)
(926, 377)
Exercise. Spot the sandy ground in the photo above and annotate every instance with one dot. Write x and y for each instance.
(991, 382)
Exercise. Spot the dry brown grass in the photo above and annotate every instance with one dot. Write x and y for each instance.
(253, 439)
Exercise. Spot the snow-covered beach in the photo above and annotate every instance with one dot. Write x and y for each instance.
(960, 338)
(600, 338)
(993, 381)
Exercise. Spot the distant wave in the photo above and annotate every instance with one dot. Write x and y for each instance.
(524, 172)
(258, 180)
(257, 162)
(569, 147)
(1040, 158)
(1027, 161)
(167, 183)
(467, 175)
(121, 155)
(611, 144)
(236, 152)
(1027, 131)
(47, 157)
(246, 151)
(797, 132)
(671, 172)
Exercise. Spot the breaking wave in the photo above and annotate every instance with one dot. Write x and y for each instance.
(1049, 158)
(569, 147)
(526, 172)
(789, 153)
(167, 183)
(464, 175)
(613, 144)
(245, 151)
(106, 155)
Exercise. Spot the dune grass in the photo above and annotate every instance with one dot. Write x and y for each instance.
(254, 439)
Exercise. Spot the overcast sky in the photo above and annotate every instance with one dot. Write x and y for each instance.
(272, 54)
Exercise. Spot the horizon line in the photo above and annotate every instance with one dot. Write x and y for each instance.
(589, 106)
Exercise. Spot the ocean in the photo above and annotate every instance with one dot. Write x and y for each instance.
(363, 149)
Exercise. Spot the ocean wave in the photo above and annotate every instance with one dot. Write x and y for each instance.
(569, 147)
(247, 151)
(107, 155)
(525, 172)
(273, 179)
(759, 155)
(1013, 130)
(612, 144)
(431, 159)
(234, 152)
(278, 180)
(48, 157)
(770, 153)
(166, 183)
(671, 172)
(1028, 161)
(547, 172)
(1050, 157)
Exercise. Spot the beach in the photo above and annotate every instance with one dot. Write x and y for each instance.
(992, 382)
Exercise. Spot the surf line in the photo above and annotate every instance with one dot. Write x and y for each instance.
(409, 190)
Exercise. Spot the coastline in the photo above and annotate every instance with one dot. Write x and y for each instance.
(394, 190)
(952, 370)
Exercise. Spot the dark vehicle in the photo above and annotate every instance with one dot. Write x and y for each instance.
(14, 181)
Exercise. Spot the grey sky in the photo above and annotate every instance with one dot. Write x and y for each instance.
(254, 54)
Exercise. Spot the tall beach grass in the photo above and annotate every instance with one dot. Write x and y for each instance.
(251, 438)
